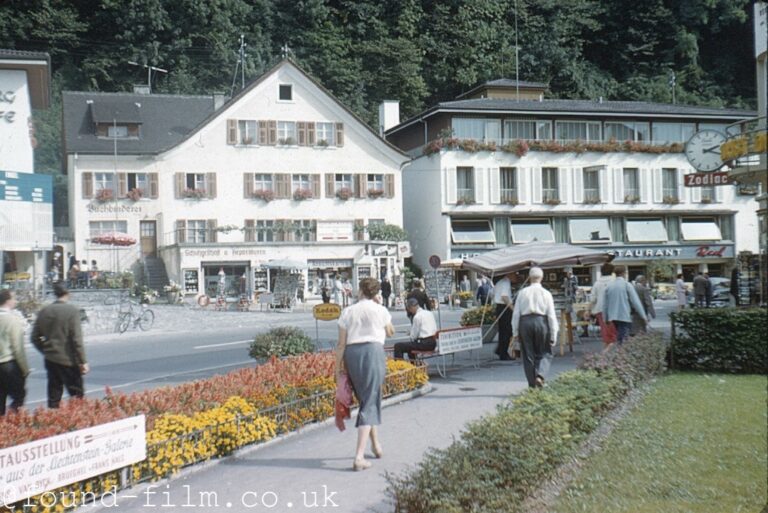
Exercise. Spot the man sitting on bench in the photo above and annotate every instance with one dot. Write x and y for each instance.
(423, 331)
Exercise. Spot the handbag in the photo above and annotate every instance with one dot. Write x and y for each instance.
(343, 401)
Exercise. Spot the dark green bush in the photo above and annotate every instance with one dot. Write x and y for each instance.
(282, 341)
(474, 316)
(720, 339)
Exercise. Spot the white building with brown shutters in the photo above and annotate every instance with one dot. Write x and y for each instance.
(282, 171)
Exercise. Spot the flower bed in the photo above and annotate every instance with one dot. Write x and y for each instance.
(203, 419)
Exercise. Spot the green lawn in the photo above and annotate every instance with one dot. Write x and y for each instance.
(696, 443)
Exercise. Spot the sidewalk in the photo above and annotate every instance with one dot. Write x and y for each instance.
(314, 466)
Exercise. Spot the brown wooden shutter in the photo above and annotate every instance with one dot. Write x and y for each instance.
(87, 185)
(310, 133)
(314, 183)
(359, 229)
(301, 128)
(180, 185)
(181, 230)
(250, 230)
(272, 132)
(210, 228)
(282, 186)
(122, 185)
(339, 134)
(330, 185)
(154, 187)
(389, 186)
(231, 131)
(247, 185)
(361, 184)
(210, 185)
(263, 133)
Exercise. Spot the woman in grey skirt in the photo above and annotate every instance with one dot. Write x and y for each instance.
(360, 352)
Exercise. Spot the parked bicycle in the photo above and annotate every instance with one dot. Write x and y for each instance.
(134, 314)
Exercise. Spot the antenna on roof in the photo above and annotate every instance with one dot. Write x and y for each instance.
(287, 52)
(150, 69)
(241, 55)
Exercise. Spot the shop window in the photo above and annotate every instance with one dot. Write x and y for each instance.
(700, 229)
(646, 230)
(590, 231)
(471, 231)
(533, 230)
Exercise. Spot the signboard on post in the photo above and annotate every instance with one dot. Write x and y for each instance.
(326, 311)
(460, 339)
(706, 179)
(434, 261)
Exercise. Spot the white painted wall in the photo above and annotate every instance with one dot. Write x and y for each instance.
(16, 152)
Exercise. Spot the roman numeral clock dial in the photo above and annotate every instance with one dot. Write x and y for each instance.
(703, 150)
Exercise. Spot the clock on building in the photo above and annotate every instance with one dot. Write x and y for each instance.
(703, 150)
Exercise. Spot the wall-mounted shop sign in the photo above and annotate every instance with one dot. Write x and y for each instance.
(706, 179)
(112, 208)
(335, 231)
(677, 252)
(329, 264)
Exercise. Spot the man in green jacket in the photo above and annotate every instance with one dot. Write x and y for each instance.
(57, 334)
(13, 360)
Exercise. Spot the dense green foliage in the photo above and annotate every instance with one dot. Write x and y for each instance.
(387, 232)
(281, 341)
(721, 339)
(500, 459)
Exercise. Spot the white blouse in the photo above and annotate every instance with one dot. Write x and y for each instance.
(365, 321)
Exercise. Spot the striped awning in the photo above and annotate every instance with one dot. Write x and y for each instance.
(547, 255)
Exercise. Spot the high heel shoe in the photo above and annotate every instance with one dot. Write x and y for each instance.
(359, 465)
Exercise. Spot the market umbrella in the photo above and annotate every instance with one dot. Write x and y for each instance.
(284, 264)
(546, 255)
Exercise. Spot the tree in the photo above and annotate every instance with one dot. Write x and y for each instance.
(387, 232)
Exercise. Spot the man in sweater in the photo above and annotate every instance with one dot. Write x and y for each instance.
(58, 336)
(620, 300)
(13, 360)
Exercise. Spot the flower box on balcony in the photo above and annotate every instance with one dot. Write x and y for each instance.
(287, 141)
(265, 195)
(670, 200)
(510, 201)
(706, 200)
(592, 201)
(631, 199)
(344, 193)
(375, 193)
(194, 193)
(322, 143)
(103, 195)
(465, 201)
(134, 194)
(552, 202)
(302, 194)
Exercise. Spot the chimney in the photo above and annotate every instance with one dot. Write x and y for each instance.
(141, 89)
(389, 115)
(219, 99)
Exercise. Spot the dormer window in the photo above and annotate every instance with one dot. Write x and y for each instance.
(117, 131)
(285, 93)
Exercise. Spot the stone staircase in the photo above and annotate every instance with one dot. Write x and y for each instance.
(155, 275)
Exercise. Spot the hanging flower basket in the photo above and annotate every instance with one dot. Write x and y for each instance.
(266, 195)
(302, 194)
(104, 195)
(114, 239)
(134, 194)
(344, 193)
(375, 193)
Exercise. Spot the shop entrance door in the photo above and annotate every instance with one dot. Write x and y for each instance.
(148, 232)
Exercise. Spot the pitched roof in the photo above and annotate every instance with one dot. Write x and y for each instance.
(37, 65)
(504, 83)
(166, 119)
(23, 55)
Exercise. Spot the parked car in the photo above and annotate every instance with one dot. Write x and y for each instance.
(721, 293)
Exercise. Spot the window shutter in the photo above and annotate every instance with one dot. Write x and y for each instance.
(618, 184)
(210, 227)
(181, 230)
(231, 131)
(247, 185)
(330, 185)
(310, 133)
(657, 185)
(282, 186)
(87, 185)
(210, 185)
(180, 183)
(643, 181)
(339, 134)
(272, 132)
(681, 185)
(361, 181)
(122, 185)
(450, 185)
(389, 185)
(494, 180)
(301, 128)
(522, 184)
(562, 184)
(578, 185)
(263, 133)
(314, 183)
(536, 196)
(250, 230)
(479, 177)
(359, 229)
(604, 185)
(153, 186)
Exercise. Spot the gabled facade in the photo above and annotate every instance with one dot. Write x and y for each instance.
(492, 171)
(282, 171)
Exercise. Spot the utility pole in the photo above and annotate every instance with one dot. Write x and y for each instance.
(517, 60)
(150, 69)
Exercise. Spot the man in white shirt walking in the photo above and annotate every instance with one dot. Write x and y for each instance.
(423, 331)
(503, 298)
(534, 322)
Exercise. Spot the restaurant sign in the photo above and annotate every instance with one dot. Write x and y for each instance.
(677, 252)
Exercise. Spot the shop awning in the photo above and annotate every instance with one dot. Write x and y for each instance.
(646, 230)
(472, 231)
(530, 231)
(700, 229)
(590, 230)
(546, 255)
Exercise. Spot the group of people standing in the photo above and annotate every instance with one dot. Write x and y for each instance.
(620, 307)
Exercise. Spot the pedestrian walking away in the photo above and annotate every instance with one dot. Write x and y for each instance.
(620, 299)
(13, 359)
(534, 324)
(681, 292)
(644, 293)
(58, 336)
(700, 290)
(363, 328)
(502, 297)
(423, 331)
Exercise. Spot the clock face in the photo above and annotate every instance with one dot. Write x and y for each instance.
(703, 150)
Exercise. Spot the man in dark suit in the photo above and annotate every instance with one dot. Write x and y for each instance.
(58, 336)
(700, 289)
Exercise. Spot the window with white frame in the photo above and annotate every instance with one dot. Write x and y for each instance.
(262, 182)
(590, 231)
(669, 185)
(700, 228)
(264, 230)
(708, 194)
(592, 185)
(304, 230)
(248, 131)
(196, 231)
(472, 231)
(195, 181)
(480, 129)
(508, 184)
(627, 130)
(646, 230)
(549, 184)
(543, 130)
(519, 129)
(286, 132)
(531, 230)
(631, 184)
(103, 181)
(577, 130)
(665, 133)
(139, 181)
(465, 185)
(374, 222)
(375, 182)
(300, 181)
(97, 228)
(342, 181)
(325, 134)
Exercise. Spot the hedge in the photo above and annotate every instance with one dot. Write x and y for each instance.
(720, 339)
(500, 459)
(281, 341)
